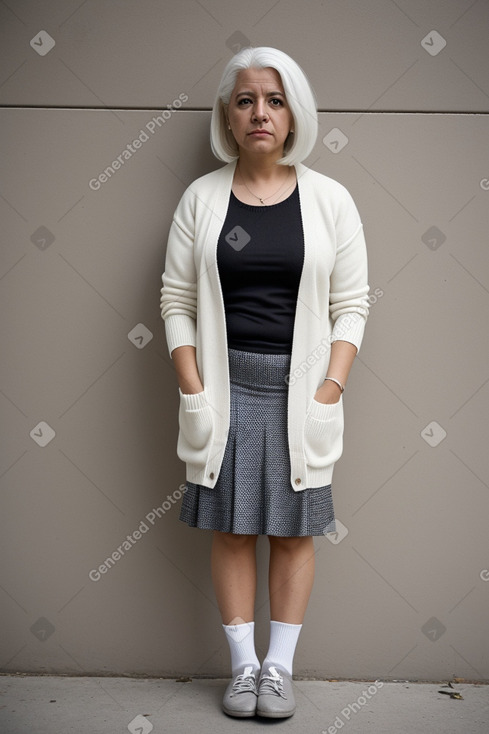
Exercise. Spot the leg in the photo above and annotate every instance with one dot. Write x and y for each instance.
(233, 564)
(291, 577)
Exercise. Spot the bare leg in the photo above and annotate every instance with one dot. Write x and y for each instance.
(233, 566)
(291, 577)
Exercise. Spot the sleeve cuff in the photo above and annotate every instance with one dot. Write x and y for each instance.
(349, 327)
(180, 330)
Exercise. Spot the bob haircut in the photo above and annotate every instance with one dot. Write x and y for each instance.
(299, 94)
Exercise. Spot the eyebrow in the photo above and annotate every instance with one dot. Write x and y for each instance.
(253, 94)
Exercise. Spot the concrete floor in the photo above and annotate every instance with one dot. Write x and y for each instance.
(90, 705)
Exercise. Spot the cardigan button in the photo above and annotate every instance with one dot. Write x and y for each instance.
(298, 480)
(211, 475)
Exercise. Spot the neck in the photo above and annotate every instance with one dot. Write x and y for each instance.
(258, 168)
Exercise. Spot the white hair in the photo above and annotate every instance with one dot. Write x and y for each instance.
(299, 94)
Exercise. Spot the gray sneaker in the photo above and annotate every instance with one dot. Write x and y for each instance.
(240, 696)
(275, 694)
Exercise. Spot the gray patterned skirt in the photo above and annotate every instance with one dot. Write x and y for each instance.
(253, 494)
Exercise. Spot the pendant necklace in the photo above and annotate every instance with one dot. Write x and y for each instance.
(261, 199)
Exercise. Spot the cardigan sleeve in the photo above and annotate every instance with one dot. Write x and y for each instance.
(179, 291)
(349, 288)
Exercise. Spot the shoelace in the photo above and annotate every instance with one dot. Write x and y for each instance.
(244, 683)
(272, 684)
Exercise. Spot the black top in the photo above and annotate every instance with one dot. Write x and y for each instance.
(260, 254)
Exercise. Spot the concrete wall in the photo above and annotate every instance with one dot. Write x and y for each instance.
(88, 392)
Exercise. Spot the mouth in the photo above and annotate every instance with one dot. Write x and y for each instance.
(259, 132)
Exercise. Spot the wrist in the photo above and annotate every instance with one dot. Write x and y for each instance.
(328, 393)
(336, 382)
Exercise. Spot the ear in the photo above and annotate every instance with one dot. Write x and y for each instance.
(225, 108)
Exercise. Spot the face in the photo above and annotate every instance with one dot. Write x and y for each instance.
(258, 113)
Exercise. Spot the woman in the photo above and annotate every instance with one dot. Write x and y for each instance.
(265, 300)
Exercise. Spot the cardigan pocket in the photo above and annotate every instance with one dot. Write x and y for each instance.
(323, 433)
(196, 428)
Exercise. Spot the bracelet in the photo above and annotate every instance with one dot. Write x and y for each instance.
(333, 379)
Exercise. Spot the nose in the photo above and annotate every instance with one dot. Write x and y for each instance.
(259, 111)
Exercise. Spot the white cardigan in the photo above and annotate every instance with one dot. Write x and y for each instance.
(332, 304)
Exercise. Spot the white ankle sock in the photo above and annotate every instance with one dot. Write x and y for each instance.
(241, 639)
(283, 641)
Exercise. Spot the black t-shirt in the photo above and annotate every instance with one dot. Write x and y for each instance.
(260, 254)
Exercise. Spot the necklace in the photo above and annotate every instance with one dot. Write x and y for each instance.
(261, 199)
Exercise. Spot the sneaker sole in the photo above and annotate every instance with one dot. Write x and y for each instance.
(239, 714)
(275, 714)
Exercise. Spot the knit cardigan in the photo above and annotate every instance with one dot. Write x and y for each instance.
(332, 304)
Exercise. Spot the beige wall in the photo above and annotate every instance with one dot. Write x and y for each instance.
(404, 594)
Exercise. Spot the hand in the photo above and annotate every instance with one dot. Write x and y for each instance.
(191, 388)
(328, 393)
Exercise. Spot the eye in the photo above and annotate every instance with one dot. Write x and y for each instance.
(244, 100)
(276, 102)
